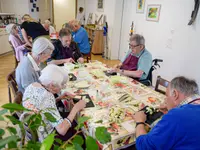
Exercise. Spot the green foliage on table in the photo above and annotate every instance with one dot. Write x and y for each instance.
(33, 121)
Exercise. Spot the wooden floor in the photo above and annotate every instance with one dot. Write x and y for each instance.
(7, 64)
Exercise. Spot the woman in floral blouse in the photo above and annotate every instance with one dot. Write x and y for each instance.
(40, 96)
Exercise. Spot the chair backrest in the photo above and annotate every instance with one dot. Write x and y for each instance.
(16, 61)
(161, 84)
(18, 100)
(12, 85)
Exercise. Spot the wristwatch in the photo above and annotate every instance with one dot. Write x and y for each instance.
(138, 123)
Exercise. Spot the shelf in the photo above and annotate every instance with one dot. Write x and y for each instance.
(7, 14)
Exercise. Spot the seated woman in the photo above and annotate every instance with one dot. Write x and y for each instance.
(18, 45)
(66, 50)
(28, 70)
(138, 61)
(40, 96)
(32, 28)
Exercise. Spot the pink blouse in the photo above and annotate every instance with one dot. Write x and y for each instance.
(18, 45)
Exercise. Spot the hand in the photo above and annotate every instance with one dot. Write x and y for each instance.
(67, 94)
(28, 45)
(80, 105)
(81, 60)
(140, 116)
(69, 60)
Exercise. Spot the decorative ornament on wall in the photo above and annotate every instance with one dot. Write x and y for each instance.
(153, 12)
(140, 6)
(100, 5)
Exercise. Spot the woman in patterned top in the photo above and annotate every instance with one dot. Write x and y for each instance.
(40, 96)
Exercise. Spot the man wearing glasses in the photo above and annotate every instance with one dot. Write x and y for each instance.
(138, 60)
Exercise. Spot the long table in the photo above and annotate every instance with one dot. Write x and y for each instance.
(111, 109)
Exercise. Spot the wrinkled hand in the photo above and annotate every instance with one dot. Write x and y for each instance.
(80, 105)
(69, 60)
(67, 94)
(140, 116)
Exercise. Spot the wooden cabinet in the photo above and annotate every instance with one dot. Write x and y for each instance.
(98, 41)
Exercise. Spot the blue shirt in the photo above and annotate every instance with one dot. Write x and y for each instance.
(81, 37)
(144, 62)
(179, 129)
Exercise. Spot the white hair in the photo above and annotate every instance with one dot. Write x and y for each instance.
(42, 45)
(47, 22)
(10, 28)
(139, 39)
(52, 74)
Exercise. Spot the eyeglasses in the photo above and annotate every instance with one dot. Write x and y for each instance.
(133, 46)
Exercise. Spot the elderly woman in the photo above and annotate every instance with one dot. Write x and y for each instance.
(48, 27)
(28, 71)
(19, 46)
(40, 97)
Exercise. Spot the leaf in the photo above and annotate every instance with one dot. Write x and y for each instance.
(33, 146)
(12, 130)
(91, 143)
(99, 121)
(7, 140)
(36, 122)
(50, 117)
(2, 132)
(78, 139)
(14, 106)
(81, 121)
(3, 111)
(59, 141)
(48, 142)
(12, 144)
(12, 119)
(70, 147)
(77, 147)
(102, 135)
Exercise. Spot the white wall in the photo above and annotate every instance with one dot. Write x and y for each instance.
(109, 10)
(64, 11)
(183, 56)
(18, 7)
(44, 10)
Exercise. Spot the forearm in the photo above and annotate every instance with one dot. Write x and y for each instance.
(140, 130)
(134, 74)
(57, 62)
(72, 114)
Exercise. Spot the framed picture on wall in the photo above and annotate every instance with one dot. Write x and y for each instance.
(100, 5)
(153, 12)
(140, 6)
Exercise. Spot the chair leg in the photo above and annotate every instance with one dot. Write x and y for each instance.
(9, 95)
(87, 59)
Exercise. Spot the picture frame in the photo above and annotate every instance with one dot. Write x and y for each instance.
(100, 5)
(140, 6)
(153, 12)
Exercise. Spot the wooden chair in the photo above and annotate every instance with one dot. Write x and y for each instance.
(12, 85)
(18, 100)
(88, 56)
(161, 82)
(16, 61)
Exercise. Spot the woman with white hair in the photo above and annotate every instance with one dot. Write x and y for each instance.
(48, 27)
(40, 97)
(28, 71)
(18, 45)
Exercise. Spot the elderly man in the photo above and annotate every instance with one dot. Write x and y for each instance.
(80, 36)
(28, 71)
(48, 27)
(138, 60)
(66, 50)
(179, 128)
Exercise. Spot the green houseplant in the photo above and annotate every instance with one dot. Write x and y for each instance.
(34, 121)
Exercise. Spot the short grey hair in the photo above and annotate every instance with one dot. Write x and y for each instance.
(186, 86)
(139, 39)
